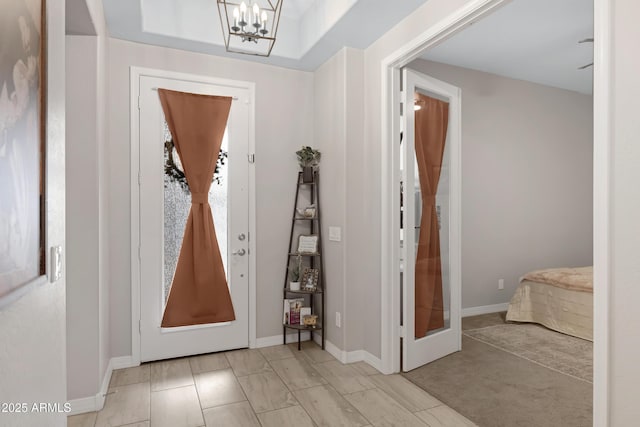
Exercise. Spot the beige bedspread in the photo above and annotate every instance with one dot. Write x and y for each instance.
(558, 298)
(573, 279)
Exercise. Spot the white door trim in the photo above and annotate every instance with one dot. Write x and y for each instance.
(601, 209)
(390, 218)
(135, 74)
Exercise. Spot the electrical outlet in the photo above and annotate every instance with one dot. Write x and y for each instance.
(338, 320)
(500, 284)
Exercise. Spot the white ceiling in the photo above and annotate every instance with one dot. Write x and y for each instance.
(532, 40)
(310, 31)
(294, 8)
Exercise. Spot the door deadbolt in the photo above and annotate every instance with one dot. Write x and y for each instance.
(241, 237)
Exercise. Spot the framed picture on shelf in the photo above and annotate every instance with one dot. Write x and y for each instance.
(308, 244)
(310, 279)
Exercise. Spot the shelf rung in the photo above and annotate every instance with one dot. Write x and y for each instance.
(303, 254)
(302, 291)
(303, 327)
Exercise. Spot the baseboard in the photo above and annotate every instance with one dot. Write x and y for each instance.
(82, 405)
(484, 309)
(123, 362)
(96, 403)
(352, 356)
(277, 339)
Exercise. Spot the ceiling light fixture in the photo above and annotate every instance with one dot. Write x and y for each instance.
(251, 31)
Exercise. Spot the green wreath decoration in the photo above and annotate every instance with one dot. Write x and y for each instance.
(176, 175)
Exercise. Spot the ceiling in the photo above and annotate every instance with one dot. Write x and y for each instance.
(532, 40)
(295, 8)
(310, 31)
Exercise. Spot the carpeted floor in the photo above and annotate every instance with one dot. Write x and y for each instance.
(510, 375)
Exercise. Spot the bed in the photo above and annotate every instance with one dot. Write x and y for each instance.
(560, 299)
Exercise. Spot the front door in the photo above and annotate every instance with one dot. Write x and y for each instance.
(164, 205)
(431, 220)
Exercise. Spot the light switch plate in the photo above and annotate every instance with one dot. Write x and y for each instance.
(335, 234)
(56, 263)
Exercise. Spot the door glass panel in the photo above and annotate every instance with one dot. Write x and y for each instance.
(177, 202)
(432, 252)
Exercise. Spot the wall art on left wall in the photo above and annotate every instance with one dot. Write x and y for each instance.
(22, 144)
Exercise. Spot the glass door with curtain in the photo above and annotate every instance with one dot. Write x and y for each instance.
(431, 192)
(165, 200)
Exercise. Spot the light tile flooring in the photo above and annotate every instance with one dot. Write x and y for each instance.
(269, 387)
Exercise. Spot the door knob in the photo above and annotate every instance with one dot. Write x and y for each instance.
(240, 252)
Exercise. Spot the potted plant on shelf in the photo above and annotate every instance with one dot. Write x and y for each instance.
(308, 158)
(294, 274)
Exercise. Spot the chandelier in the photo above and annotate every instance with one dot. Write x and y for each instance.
(250, 29)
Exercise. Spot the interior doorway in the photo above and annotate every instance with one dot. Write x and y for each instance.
(391, 129)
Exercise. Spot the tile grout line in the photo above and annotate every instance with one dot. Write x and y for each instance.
(291, 391)
(195, 385)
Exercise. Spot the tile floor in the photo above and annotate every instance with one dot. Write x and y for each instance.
(269, 387)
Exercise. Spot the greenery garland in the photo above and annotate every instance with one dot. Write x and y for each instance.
(177, 176)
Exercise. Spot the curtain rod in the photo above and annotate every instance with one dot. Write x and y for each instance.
(235, 98)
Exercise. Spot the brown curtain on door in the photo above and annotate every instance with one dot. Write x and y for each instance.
(199, 292)
(431, 123)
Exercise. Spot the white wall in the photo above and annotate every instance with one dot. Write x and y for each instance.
(624, 349)
(330, 139)
(82, 217)
(355, 326)
(284, 122)
(527, 192)
(339, 127)
(32, 329)
(88, 349)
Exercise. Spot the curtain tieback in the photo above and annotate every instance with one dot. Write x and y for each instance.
(199, 198)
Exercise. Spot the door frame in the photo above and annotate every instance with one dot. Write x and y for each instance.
(390, 216)
(135, 74)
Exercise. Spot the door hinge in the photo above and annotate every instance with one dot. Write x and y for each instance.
(252, 158)
(139, 326)
(138, 102)
(139, 178)
(401, 331)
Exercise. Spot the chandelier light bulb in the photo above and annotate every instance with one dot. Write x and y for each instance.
(256, 15)
(243, 8)
(236, 18)
(264, 18)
